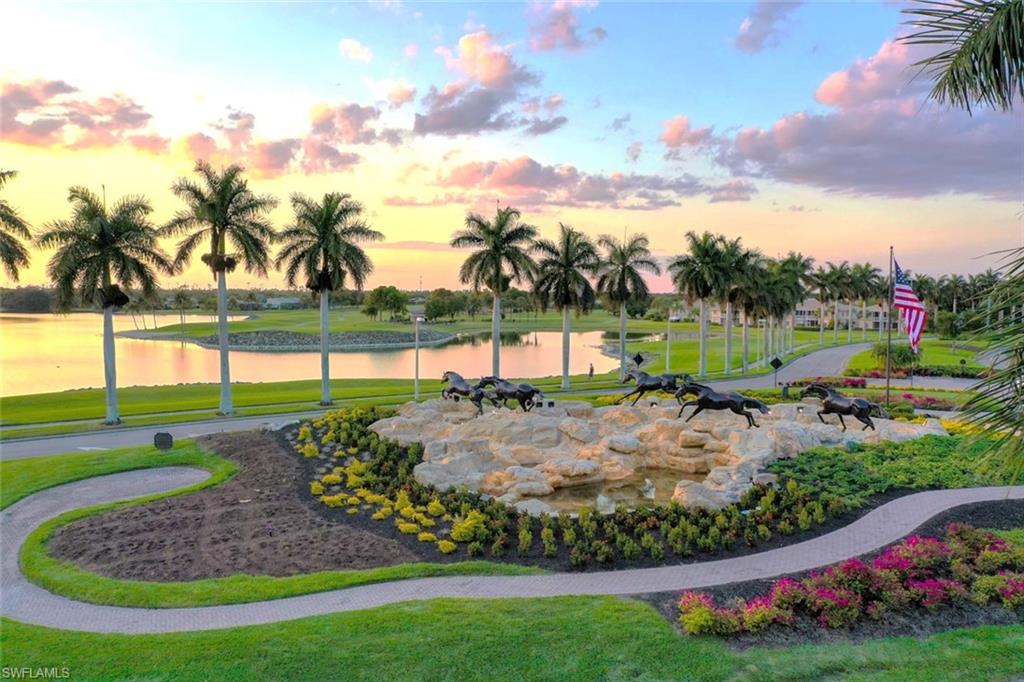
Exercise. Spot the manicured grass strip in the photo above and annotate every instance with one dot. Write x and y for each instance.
(22, 477)
(933, 352)
(563, 638)
(26, 476)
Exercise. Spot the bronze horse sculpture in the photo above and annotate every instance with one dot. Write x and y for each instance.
(834, 402)
(650, 383)
(710, 399)
(457, 386)
(526, 395)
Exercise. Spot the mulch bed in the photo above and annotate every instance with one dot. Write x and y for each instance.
(915, 623)
(258, 522)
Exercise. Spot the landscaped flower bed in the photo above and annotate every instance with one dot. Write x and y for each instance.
(357, 472)
(919, 573)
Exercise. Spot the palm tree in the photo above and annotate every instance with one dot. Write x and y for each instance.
(322, 246)
(732, 255)
(798, 269)
(820, 279)
(747, 294)
(980, 50)
(501, 257)
(99, 255)
(562, 271)
(182, 301)
(839, 286)
(700, 275)
(980, 60)
(620, 279)
(222, 210)
(13, 228)
(865, 282)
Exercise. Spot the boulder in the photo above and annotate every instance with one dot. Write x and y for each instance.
(578, 429)
(534, 507)
(691, 439)
(623, 443)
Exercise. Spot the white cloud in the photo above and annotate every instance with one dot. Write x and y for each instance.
(353, 49)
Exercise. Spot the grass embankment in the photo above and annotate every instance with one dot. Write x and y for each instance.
(562, 638)
(19, 478)
(934, 352)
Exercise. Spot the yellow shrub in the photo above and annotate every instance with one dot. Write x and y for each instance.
(446, 546)
(402, 501)
(374, 498)
(382, 513)
(358, 467)
(333, 500)
(408, 528)
(331, 479)
(426, 537)
(328, 438)
(466, 529)
(354, 501)
(406, 512)
(435, 508)
(304, 434)
(352, 510)
(353, 450)
(425, 521)
(310, 450)
(316, 488)
(354, 481)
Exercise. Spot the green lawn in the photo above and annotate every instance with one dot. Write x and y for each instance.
(22, 477)
(933, 352)
(563, 638)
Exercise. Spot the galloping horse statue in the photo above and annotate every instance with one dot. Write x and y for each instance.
(648, 383)
(458, 386)
(526, 395)
(710, 399)
(834, 402)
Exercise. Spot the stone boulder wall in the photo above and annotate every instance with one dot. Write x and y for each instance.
(519, 457)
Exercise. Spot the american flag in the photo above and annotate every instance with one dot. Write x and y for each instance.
(911, 308)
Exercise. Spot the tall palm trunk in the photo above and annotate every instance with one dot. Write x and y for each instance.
(496, 336)
(565, 348)
(849, 321)
(728, 337)
(702, 363)
(222, 340)
(325, 358)
(770, 336)
(954, 305)
(109, 362)
(746, 342)
(835, 322)
(792, 331)
(821, 320)
(863, 319)
(622, 341)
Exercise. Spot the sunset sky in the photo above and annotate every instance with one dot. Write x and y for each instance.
(793, 125)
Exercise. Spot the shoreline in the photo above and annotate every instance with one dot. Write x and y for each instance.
(314, 347)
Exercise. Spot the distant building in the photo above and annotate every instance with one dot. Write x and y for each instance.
(810, 311)
(283, 303)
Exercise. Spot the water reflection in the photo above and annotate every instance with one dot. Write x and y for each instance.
(42, 353)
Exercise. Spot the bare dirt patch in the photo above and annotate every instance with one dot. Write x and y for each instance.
(257, 523)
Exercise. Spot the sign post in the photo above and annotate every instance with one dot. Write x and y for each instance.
(776, 363)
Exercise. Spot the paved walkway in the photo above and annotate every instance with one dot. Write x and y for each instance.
(28, 603)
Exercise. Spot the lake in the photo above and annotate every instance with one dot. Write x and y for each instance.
(43, 353)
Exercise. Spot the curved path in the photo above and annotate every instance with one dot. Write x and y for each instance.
(23, 601)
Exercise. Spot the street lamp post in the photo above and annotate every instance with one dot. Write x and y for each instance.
(668, 341)
(416, 383)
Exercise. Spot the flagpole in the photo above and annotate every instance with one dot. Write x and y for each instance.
(888, 324)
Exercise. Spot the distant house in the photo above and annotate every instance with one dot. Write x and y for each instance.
(283, 303)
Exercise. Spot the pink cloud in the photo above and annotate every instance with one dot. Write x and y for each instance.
(762, 27)
(401, 93)
(481, 58)
(556, 26)
(269, 159)
(149, 142)
(884, 75)
(678, 133)
(411, 50)
(527, 182)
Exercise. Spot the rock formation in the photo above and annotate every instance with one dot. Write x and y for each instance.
(521, 457)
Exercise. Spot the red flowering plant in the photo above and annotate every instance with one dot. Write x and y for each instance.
(921, 571)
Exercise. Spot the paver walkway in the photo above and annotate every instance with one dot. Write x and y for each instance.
(23, 601)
